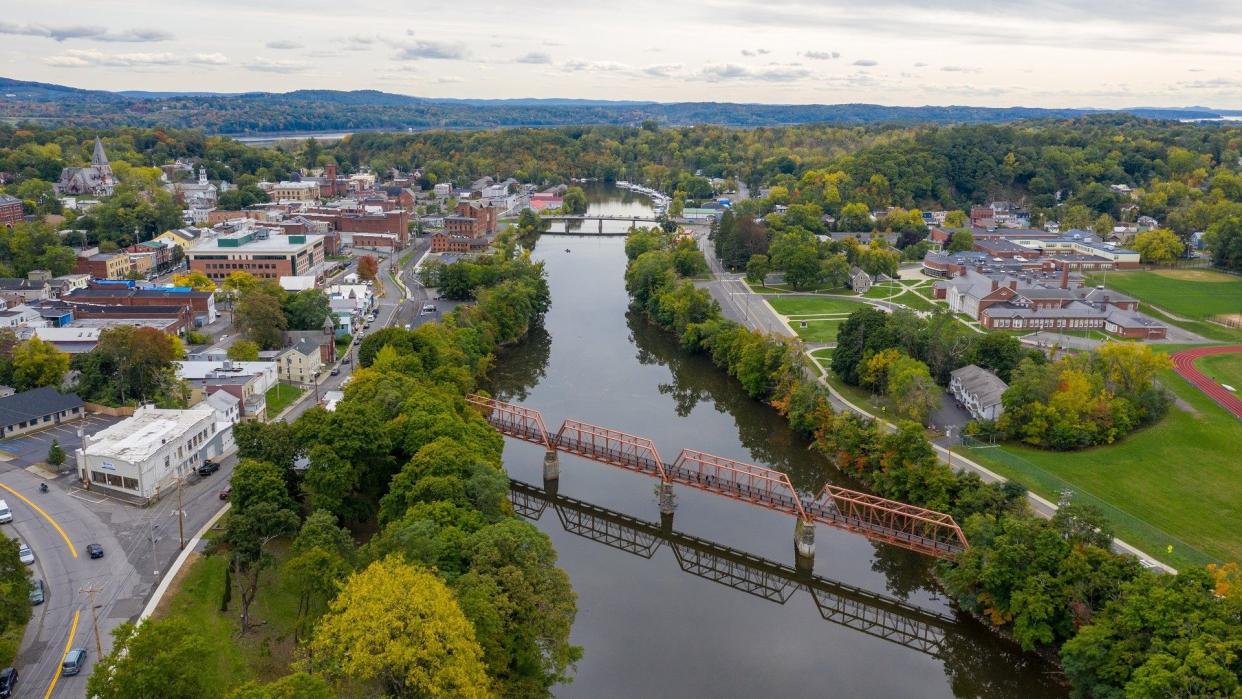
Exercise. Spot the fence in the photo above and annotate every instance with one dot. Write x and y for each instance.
(1129, 527)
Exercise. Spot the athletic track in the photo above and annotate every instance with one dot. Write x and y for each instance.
(1184, 364)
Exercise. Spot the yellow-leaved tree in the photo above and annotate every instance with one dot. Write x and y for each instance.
(397, 625)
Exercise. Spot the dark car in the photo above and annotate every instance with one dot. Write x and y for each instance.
(345, 360)
(94, 550)
(74, 660)
(36, 591)
(335, 371)
(209, 467)
(8, 680)
(226, 492)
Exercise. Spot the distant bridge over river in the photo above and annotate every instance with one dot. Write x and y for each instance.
(601, 218)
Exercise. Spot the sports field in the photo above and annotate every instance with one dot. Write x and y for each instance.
(1190, 293)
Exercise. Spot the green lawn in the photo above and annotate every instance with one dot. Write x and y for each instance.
(1223, 368)
(810, 305)
(821, 330)
(785, 289)
(1178, 483)
(264, 653)
(912, 300)
(1190, 293)
(280, 397)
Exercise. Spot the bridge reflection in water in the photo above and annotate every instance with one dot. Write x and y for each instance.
(862, 610)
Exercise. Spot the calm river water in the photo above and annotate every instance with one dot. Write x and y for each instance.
(659, 617)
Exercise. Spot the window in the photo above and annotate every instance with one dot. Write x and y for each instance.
(98, 477)
(130, 483)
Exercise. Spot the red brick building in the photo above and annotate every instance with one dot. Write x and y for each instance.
(395, 223)
(201, 304)
(472, 220)
(259, 253)
(10, 210)
(445, 242)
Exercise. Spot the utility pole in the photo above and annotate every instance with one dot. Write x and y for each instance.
(180, 515)
(94, 615)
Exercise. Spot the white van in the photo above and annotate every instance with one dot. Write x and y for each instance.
(6, 515)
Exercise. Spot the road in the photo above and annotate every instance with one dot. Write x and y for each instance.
(737, 301)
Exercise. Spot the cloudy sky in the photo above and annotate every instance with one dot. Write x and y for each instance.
(1081, 53)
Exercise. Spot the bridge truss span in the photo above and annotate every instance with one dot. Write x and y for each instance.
(757, 485)
(893, 522)
(611, 447)
(513, 420)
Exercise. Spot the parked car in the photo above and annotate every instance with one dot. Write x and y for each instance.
(74, 661)
(94, 550)
(336, 371)
(6, 515)
(345, 360)
(8, 680)
(429, 308)
(226, 492)
(26, 554)
(208, 467)
(36, 592)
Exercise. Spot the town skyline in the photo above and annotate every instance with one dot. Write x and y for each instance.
(898, 52)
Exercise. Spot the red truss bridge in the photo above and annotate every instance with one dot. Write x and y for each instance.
(879, 519)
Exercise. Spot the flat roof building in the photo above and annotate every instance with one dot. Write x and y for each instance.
(144, 455)
(260, 253)
(36, 409)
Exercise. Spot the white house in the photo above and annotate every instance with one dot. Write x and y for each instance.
(145, 454)
(198, 372)
(978, 390)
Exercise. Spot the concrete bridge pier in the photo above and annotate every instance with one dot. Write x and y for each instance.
(668, 500)
(804, 545)
(601, 226)
(551, 466)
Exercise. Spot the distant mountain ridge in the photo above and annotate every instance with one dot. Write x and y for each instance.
(336, 110)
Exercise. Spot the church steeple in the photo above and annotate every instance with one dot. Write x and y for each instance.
(100, 159)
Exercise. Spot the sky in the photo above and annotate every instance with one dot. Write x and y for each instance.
(1040, 53)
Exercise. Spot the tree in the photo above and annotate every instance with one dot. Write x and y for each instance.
(243, 350)
(321, 557)
(1103, 225)
(299, 685)
(574, 201)
(1158, 246)
(996, 352)
(261, 511)
(399, 627)
(307, 309)
(855, 217)
(368, 268)
(877, 260)
(955, 219)
(37, 363)
(915, 395)
(1224, 239)
(757, 269)
(262, 320)
(130, 364)
(158, 660)
(55, 454)
(961, 241)
(195, 280)
(834, 271)
(14, 586)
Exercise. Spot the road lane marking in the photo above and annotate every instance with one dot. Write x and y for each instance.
(73, 630)
(46, 516)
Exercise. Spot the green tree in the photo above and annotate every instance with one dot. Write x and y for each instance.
(158, 660)
(915, 395)
(321, 558)
(299, 685)
(855, 217)
(307, 309)
(37, 363)
(55, 454)
(955, 219)
(996, 352)
(1103, 225)
(961, 241)
(757, 269)
(834, 271)
(243, 350)
(14, 586)
(262, 320)
(574, 201)
(398, 627)
(1224, 239)
(261, 512)
(131, 364)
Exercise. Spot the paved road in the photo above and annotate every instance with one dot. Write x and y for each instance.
(737, 301)
(1184, 365)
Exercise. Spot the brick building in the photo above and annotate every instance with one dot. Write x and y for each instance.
(10, 210)
(104, 265)
(471, 220)
(201, 304)
(260, 253)
(444, 242)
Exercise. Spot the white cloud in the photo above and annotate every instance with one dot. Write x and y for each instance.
(534, 57)
(209, 59)
(283, 45)
(866, 62)
(755, 52)
(90, 33)
(438, 50)
(594, 66)
(822, 55)
(662, 70)
(275, 65)
(80, 58)
(730, 71)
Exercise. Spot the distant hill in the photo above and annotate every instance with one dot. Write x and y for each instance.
(337, 110)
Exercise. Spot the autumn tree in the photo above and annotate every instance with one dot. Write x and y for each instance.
(131, 364)
(37, 363)
(368, 268)
(1158, 246)
(195, 280)
(243, 350)
(158, 660)
(398, 627)
(915, 395)
(299, 685)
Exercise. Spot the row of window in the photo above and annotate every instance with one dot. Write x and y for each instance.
(240, 265)
(111, 479)
(25, 424)
(1072, 323)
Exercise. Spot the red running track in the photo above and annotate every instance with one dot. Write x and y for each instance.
(1184, 364)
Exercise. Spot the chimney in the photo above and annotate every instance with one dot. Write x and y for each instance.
(994, 285)
(1064, 276)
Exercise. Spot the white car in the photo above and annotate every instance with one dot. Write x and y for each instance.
(25, 554)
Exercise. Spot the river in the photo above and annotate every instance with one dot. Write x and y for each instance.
(663, 615)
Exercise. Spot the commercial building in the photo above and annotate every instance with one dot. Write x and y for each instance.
(446, 242)
(295, 191)
(104, 265)
(471, 220)
(258, 252)
(200, 304)
(36, 409)
(978, 391)
(144, 455)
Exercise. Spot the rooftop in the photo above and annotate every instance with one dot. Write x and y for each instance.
(35, 403)
(137, 438)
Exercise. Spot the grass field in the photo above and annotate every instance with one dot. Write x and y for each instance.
(280, 397)
(264, 653)
(811, 305)
(818, 329)
(1189, 293)
(1223, 368)
(1178, 483)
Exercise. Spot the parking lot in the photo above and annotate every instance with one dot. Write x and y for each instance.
(32, 448)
